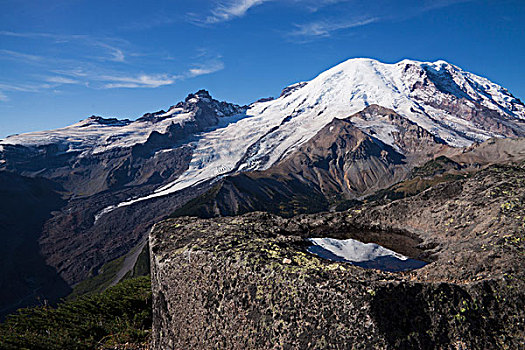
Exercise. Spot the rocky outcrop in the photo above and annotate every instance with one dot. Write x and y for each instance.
(289, 89)
(249, 282)
(345, 160)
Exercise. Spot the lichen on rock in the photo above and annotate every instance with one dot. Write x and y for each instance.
(249, 282)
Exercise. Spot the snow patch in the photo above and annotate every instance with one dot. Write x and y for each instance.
(355, 251)
(366, 255)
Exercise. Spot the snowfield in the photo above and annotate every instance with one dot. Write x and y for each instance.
(92, 136)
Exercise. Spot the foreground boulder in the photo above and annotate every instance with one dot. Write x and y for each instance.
(250, 282)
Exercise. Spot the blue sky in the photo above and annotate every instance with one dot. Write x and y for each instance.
(64, 60)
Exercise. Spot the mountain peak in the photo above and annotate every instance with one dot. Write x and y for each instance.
(363, 62)
(199, 95)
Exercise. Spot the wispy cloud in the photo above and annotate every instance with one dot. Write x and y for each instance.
(75, 64)
(316, 5)
(423, 7)
(116, 54)
(112, 46)
(3, 97)
(40, 35)
(206, 68)
(435, 4)
(25, 87)
(158, 80)
(140, 81)
(353, 15)
(326, 28)
(76, 72)
(226, 11)
(61, 80)
(20, 55)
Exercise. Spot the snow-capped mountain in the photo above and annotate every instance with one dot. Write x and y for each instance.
(355, 129)
(98, 153)
(458, 107)
(455, 106)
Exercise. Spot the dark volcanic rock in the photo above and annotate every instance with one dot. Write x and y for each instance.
(249, 282)
(265, 99)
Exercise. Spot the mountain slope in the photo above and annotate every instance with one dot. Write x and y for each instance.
(348, 158)
(298, 153)
(340, 162)
(98, 154)
(25, 277)
(455, 106)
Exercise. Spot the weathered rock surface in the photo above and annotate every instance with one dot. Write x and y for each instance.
(248, 281)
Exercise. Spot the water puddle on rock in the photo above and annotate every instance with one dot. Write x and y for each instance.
(367, 255)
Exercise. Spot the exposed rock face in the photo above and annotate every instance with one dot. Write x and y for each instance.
(406, 136)
(462, 103)
(248, 281)
(289, 89)
(345, 160)
(341, 160)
